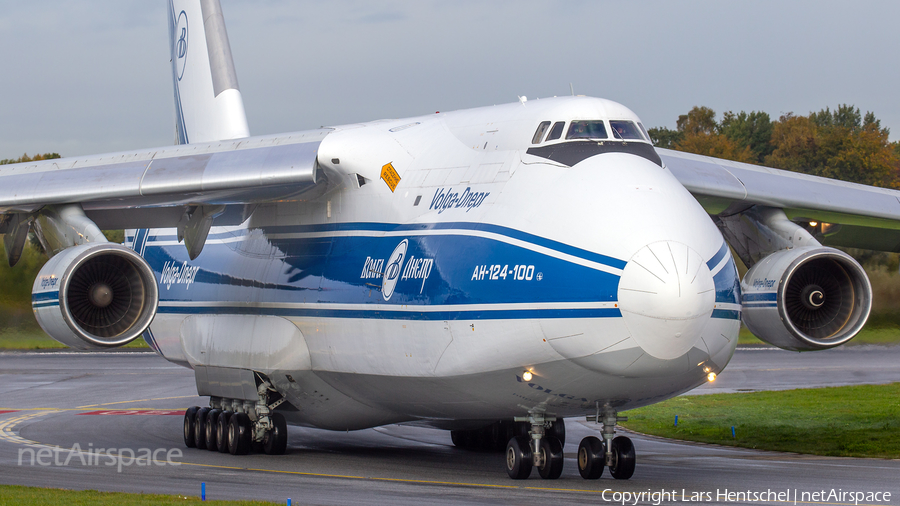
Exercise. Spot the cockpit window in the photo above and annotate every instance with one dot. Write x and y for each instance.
(539, 133)
(625, 130)
(556, 131)
(644, 130)
(587, 130)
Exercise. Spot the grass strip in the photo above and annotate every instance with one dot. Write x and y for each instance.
(20, 496)
(868, 335)
(28, 338)
(852, 421)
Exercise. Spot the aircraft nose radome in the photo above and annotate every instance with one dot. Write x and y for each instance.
(666, 296)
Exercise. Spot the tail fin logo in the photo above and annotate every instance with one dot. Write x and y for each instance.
(181, 44)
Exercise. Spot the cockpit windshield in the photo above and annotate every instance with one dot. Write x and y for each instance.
(625, 130)
(587, 130)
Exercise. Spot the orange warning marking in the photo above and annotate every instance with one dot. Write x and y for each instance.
(390, 176)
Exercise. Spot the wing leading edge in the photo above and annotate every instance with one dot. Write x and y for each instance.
(228, 172)
(180, 186)
(845, 214)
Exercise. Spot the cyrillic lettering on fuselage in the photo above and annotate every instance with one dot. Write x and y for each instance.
(446, 198)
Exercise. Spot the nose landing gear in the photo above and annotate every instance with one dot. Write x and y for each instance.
(541, 448)
(617, 453)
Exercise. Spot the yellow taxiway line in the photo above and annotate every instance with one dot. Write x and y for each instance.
(8, 434)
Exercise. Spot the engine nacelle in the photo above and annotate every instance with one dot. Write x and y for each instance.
(96, 295)
(804, 299)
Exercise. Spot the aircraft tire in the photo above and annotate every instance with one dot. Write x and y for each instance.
(239, 434)
(498, 437)
(211, 419)
(623, 457)
(591, 458)
(458, 438)
(552, 465)
(519, 458)
(275, 442)
(507, 432)
(478, 439)
(200, 428)
(558, 430)
(222, 431)
(189, 415)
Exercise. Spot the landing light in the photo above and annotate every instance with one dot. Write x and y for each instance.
(813, 223)
(527, 376)
(711, 377)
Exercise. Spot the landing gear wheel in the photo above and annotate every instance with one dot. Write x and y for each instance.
(275, 442)
(552, 462)
(475, 440)
(222, 431)
(558, 430)
(507, 432)
(239, 434)
(591, 458)
(200, 428)
(211, 418)
(623, 458)
(519, 458)
(491, 438)
(189, 415)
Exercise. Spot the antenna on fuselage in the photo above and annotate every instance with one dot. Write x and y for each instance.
(572, 89)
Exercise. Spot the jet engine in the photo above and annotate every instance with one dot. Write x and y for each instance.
(808, 298)
(96, 295)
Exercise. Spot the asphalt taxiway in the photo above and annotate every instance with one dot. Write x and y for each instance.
(131, 401)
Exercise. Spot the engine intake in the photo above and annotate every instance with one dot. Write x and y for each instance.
(805, 299)
(92, 296)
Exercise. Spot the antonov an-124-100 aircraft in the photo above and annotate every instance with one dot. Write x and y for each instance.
(488, 271)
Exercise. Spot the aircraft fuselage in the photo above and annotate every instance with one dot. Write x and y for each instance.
(582, 261)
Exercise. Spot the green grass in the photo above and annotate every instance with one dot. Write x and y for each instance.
(871, 334)
(33, 338)
(19, 496)
(854, 421)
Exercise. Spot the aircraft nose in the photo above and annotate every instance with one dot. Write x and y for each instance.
(666, 296)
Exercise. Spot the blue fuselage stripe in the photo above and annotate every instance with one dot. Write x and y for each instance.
(305, 271)
(498, 314)
(759, 297)
(714, 261)
(726, 314)
(419, 227)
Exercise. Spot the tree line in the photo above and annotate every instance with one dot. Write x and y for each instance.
(25, 158)
(841, 143)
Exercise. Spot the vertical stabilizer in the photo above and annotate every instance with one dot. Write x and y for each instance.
(208, 103)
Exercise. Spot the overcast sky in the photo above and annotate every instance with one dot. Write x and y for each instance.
(82, 77)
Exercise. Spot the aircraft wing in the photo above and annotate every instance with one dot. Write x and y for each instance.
(118, 189)
(865, 216)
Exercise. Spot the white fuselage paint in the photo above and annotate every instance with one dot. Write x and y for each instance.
(470, 167)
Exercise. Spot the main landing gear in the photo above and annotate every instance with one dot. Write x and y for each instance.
(542, 447)
(236, 426)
